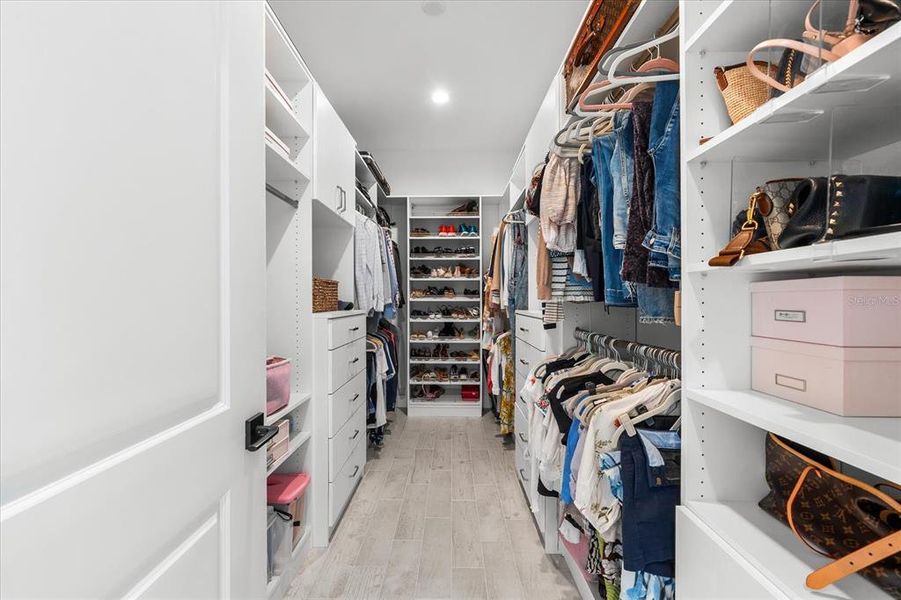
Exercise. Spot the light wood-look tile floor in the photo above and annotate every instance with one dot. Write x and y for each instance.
(438, 514)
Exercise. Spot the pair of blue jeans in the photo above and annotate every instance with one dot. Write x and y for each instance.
(622, 170)
(664, 240)
(616, 291)
(518, 290)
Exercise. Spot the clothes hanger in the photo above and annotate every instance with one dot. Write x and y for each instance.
(659, 67)
(627, 424)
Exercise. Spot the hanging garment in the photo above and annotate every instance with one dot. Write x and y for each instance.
(507, 384)
(559, 197)
(588, 231)
(641, 266)
(616, 291)
(663, 239)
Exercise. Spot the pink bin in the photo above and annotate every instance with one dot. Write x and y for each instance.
(852, 382)
(278, 383)
(836, 311)
(285, 492)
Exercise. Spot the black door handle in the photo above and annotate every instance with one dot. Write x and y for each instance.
(257, 433)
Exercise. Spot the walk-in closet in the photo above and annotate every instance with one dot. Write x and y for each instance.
(497, 299)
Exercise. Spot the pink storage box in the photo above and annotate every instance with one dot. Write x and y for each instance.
(838, 311)
(278, 383)
(285, 491)
(278, 447)
(852, 382)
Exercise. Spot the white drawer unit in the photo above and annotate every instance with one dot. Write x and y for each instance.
(530, 329)
(339, 429)
(344, 363)
(341, 445)
(521, 423)
(345, 401)
(346, 480)
(342, 330)
(527, 356)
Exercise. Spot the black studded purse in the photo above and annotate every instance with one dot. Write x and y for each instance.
(841, 206)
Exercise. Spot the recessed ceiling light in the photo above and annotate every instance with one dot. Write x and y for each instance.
(433, 8)
(440, 96)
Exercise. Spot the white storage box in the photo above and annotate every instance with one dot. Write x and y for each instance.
(855, 382)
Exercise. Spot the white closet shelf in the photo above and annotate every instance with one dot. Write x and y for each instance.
(443, 299)
(875, 251)
(280, 169)
(296, 442)
(282, 59)
(857, 90)
(366, 201)
(280, 117)
(776, 556)
(442, 361)
(443, 237)
(869, 443)
(365, 175)
(445, 320)
(295, 401)
(737, 26)
(415, 257)
(412, 279)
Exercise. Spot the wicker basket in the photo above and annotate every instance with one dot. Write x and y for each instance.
(742, 91)
(325, 295)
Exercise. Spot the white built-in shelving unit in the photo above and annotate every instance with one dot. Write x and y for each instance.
(289, 116)
(429, 212)
(842, 119)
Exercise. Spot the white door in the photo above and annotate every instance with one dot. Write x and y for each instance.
(334, 159)
(132, 294)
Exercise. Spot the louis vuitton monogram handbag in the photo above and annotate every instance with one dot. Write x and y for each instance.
(855, 524)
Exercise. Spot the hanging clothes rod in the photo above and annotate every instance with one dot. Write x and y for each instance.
(643, 355)
(282, 196)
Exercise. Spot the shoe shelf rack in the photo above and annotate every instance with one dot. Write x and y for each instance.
(432, 214)
(842, 119)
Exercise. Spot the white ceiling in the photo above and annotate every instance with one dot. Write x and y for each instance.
(378, 62)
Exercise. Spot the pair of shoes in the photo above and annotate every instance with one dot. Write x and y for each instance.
(467, 230)
(421, 272)
(469, 292)
(447, 231)
(466, 209)
(420, 232)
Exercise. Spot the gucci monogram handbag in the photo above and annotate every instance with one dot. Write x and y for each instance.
(856, 525)
(759, 227)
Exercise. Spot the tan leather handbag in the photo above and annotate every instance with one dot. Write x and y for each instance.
(835, 515)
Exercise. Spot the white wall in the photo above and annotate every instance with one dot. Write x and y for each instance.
(445, 172)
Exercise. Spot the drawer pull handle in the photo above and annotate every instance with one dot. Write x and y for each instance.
(356, 360)
(523, 361)
(354, 399)
(356, 470)
(522, 438)
(355, 328)
(523, 475)
(356, 433)
(523, 329)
